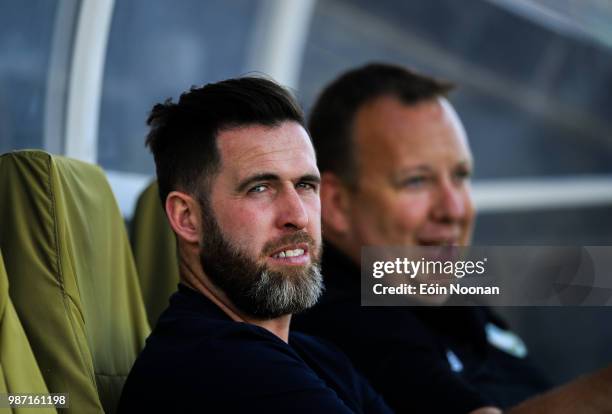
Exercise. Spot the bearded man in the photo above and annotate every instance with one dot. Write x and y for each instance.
(239, 182)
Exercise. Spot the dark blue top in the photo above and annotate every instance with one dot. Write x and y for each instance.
(198, 359)
(421, 359)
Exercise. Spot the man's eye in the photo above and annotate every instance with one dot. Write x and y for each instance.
(463, 175)
(258, 189)
(307, 186)
(414, 181)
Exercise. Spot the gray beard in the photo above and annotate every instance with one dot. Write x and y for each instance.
(281, 295)
(255, 289)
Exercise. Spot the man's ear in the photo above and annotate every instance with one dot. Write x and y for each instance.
(335, 204)
(184, 215)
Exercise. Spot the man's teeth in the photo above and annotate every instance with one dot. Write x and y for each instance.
(290, 253)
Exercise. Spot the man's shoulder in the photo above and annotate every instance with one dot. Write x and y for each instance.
(214, 343)
(236, 366)
(221, 356)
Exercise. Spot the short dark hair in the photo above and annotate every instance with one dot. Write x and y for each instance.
(332, 117)
(183, 135)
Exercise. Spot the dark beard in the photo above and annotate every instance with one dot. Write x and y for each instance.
(255, 289)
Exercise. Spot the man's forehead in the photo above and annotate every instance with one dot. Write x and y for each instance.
(282, 149)
(387, 117)
(401, 130)
(388, 111)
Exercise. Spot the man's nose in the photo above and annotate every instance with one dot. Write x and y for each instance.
(291, 211)
(450, 204)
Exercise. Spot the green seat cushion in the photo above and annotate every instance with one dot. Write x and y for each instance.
(154, 246)
(72, 276)
(19, 372)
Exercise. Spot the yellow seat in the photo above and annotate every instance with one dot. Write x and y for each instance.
(72, 276)
(154, 246)
(19, 372)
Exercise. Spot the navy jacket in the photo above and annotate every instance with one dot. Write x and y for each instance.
(198, 360)
(421, 359)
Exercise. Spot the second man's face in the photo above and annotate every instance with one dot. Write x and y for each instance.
(414, 167)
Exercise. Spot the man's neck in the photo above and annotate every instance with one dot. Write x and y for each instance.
(195, 278)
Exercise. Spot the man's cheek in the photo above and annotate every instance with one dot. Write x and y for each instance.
(244, 220)
(313, 206)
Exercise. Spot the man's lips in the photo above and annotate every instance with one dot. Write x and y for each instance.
(440, 249)
(291, 254)
(438, 242)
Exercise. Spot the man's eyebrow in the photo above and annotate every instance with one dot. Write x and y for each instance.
(414, 168)
(466, 163)
(255, 178)
(312, 178)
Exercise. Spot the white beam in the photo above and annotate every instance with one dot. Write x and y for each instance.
(280, 36)
(86, 75)
(57, 76)
(537, 193)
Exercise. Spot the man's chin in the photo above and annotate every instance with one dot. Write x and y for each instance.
(291, 271)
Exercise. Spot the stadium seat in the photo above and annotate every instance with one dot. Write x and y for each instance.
(154, 247)
(19, 372)
(72, 276)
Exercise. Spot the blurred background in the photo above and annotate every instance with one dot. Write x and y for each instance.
(78, 77)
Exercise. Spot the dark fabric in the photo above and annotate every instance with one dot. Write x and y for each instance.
(403, 350)
(198, 359)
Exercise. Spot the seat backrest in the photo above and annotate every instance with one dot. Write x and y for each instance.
(72, 276)
(19, 372)
(154, 246)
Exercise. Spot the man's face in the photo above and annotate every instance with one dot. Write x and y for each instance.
(261, 236)
(413, 185)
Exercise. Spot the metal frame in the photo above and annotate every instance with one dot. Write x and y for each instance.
(58, 76)
(86, 75)
(280, 38)
(535, 193)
